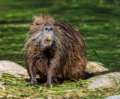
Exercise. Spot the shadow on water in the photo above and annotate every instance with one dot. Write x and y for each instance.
(98, 22)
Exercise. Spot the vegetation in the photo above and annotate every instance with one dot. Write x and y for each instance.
(97, 20)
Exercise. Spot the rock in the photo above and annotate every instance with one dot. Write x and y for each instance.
(106, 80)
(93, 67)
(113, 97)
(12, 68)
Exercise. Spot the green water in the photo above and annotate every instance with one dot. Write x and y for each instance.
(97, 20)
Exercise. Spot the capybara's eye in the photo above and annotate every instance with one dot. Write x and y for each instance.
(37, 24)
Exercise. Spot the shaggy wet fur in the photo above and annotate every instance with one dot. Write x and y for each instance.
(62, 58)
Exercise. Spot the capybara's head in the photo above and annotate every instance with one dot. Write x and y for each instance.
(43, 31)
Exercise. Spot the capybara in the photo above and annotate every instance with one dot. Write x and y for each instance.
(55, 51)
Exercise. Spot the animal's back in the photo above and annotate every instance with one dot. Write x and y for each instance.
(73, 60)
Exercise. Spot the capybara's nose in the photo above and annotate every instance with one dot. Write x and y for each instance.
(48, 28)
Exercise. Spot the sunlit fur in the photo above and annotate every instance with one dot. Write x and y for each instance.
(62, 59)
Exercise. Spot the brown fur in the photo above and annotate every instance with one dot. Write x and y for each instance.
(63, 60)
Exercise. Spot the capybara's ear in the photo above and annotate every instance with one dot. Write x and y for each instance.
(34, 17)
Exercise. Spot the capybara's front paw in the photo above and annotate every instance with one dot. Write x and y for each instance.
(48, 84)
(33, 82)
